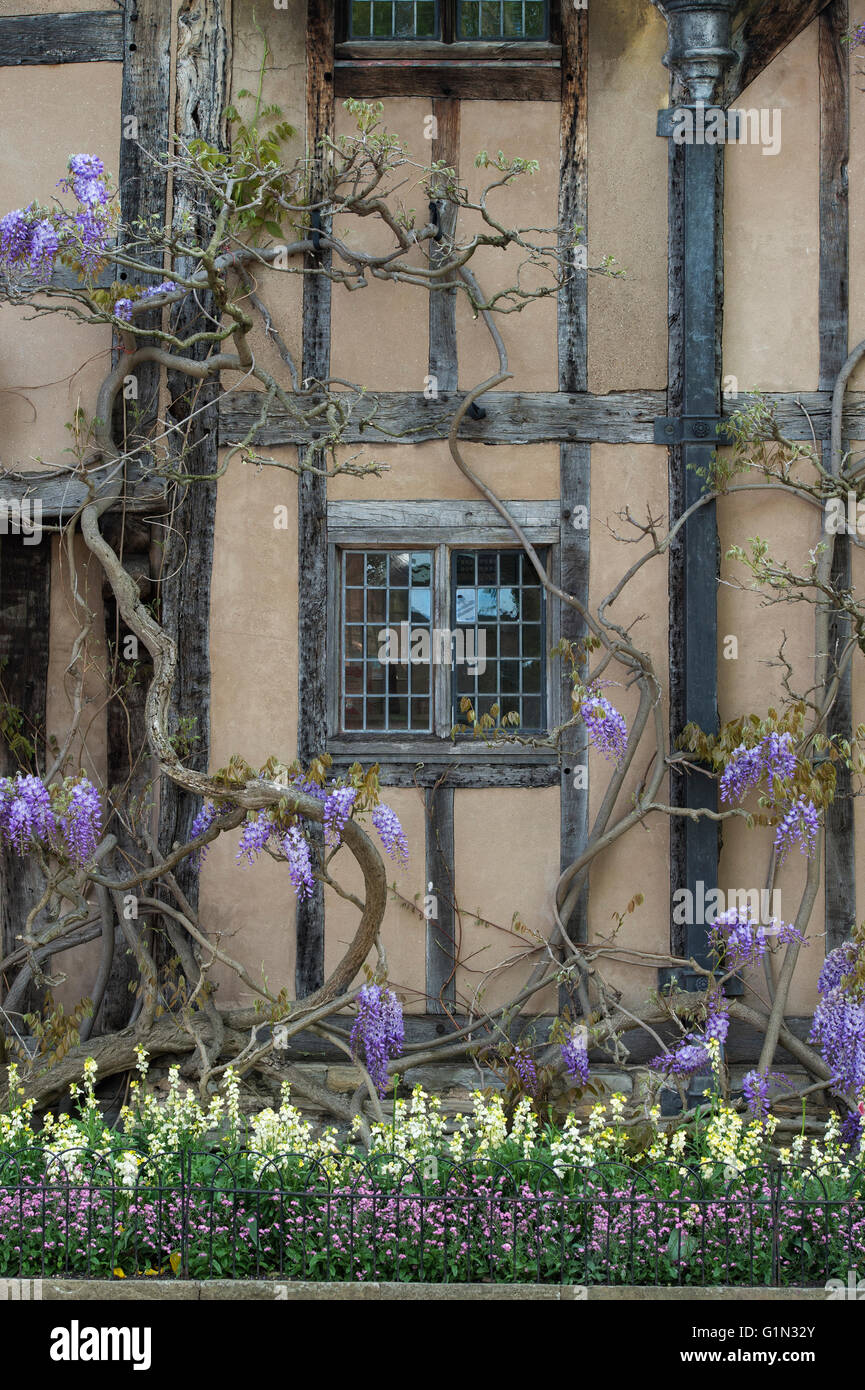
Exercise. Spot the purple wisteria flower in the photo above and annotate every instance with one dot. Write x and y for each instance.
(391, 833)
(379, 1028)
(692, 1054)
(756, 1086)
(26, 814)
(337, 809)
(123, 309)
(81, 821)
(44, 246)
(839, 1030)
(296, 850)
(607, 730)
(575, 1057)
(166, 287)
(257, 830)
(85, 179)
(524, 1066)
(204, 818)
(851, 1130)
(15, 230)
(838, 963)
(772, 757)
(92, 235)
(800, 823)
(742, 940)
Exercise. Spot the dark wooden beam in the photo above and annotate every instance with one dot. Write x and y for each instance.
(92, 36)
(441, 923)
(25, 616)
(574, 458)
(834, 67)
(499, 81)
(743, 1041)
(761, 30)
(443, 366)
(60, 496)
(202, 84)
(534, 417)
(312, 490)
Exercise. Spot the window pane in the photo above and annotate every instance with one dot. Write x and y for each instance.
(383, 662)
(361, 19)
(465, 569)
(394, 19)
(376, 570)
(376, 605)
(398, 571)
(499, 654)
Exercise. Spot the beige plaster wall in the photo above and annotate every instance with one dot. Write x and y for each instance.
(627, 196)
(506, 864)
(531, 130)
(417, 471)
(771, 236)
(633, 476)
(253, 647)
(41, 374)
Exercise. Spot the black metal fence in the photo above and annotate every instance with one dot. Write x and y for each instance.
(197, 1214)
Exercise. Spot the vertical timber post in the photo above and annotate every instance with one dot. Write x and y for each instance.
(312, 489)
(202, 81)
(840, 843)
(698, 53)
(574, 459)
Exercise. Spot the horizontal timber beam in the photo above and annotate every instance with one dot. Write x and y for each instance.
(624, 417)
(93, 36)
(743, 1041)
(58, 497)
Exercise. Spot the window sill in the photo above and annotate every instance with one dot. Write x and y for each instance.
(425, 761)
(511, 71)
(411, 50)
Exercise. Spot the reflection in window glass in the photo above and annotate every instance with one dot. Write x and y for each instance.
(394, 19)
(502, 19)
(385, 683)
(498, 615)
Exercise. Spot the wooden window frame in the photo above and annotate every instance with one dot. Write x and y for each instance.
(442, 528)
(479, 69)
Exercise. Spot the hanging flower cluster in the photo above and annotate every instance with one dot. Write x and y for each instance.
(697, 1051)
(742, 940)
(65, 819)
(756, 1086)
(390, 833)
(772, 758)
(524, 1066)
(607, 730)
(32, 238)
(799, 825)
(379, 1029)
(575, 1057)
(838, 1027)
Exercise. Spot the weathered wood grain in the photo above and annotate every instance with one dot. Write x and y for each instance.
(443, 365)
(25, 607)
(761, 30)
(440, 886)
(371, 80)
(312, 489)
(91, 36)
(622, 417)
(202, 78)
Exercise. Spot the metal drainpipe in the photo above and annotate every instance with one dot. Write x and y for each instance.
(698, 54)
